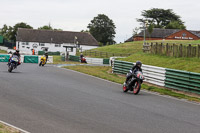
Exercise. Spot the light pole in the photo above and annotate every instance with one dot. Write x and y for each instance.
(145, 22)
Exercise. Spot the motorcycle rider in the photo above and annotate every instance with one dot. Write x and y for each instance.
(81, 56)
(135, 68)
(46, 55)
(16, 53)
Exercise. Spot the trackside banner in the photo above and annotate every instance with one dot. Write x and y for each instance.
(4, 58)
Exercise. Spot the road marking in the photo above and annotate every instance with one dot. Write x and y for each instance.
(154, 93)
(21, 130)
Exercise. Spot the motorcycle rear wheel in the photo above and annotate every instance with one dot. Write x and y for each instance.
(125, 89)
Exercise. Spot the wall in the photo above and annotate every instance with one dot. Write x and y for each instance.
(27, 48)
(179, 36)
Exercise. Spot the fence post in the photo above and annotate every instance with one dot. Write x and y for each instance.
(151, 47)
(167, 49)
(161, 48)
(189, 50)
(173, 49)
(198, 50)
(106, 54)
(181, 50)
(156, 47)
(95, 53)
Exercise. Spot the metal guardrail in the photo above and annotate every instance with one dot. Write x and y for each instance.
(99, 61)
(170, 78)
(183, 80)
(154, 75)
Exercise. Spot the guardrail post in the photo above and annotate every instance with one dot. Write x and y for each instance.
(198, 50)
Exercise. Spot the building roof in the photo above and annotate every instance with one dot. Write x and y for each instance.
(52, 36)
(197, 33)
(130, 39)
(158, 33)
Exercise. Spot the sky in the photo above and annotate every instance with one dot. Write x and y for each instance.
(75, 15)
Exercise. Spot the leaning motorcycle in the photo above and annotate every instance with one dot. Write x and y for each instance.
(83, 60)
(42, 61)
(13, 63)
(134, 83)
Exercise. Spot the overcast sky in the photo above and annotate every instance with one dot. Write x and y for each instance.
(75, 15)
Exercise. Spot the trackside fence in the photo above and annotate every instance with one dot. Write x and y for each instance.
(154, 75)
(99, 61)
(170, 78)
(25, 58)
(183, 80)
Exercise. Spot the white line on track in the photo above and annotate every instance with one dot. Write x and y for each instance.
(21, 130)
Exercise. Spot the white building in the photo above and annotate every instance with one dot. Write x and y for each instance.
(53, 41)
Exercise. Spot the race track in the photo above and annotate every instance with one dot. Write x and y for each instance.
(55, 100)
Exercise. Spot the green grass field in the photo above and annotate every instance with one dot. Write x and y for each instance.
(3, 52)
(187, 64)
(57, 60)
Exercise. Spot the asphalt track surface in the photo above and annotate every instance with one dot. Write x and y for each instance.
(55, 100)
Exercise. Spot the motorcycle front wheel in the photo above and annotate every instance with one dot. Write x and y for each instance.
(40, 63)
(136, 87)
(10, 68)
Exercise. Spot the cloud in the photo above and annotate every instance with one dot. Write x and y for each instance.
(77, 14)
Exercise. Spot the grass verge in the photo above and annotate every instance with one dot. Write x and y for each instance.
(135, 49)
(7, 129)
(104, 72)
(3, 52)
(57, 60)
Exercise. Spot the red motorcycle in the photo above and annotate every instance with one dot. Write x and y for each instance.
(83, 60)
(134, 83)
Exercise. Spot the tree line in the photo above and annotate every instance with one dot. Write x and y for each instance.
(103, 28)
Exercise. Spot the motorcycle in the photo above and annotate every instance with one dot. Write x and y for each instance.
(134, 83)
(83, 60)
(42, 61)
(13, 63)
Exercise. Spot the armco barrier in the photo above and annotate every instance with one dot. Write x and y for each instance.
(154, 75)
(98, 61)
(74, 58)
(106, 61)
(30, 59)
(94, 60)
(4, 57)
(183, 80)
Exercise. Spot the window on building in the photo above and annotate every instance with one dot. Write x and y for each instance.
(57, 45)
(184, 35)
(23, 43)
(28, 47)
(42, 44)
(23, 46)
(27, 43)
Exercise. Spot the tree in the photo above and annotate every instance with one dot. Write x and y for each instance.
(6, 32)
(103, 29)
(175, 25)
(160, 18)
(135, 31)
(46, 27)
(15, 28)
(150, 29)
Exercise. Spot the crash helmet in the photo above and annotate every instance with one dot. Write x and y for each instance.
(17, 51)
(138, 63)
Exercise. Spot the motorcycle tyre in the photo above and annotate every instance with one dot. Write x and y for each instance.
(136, 90)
